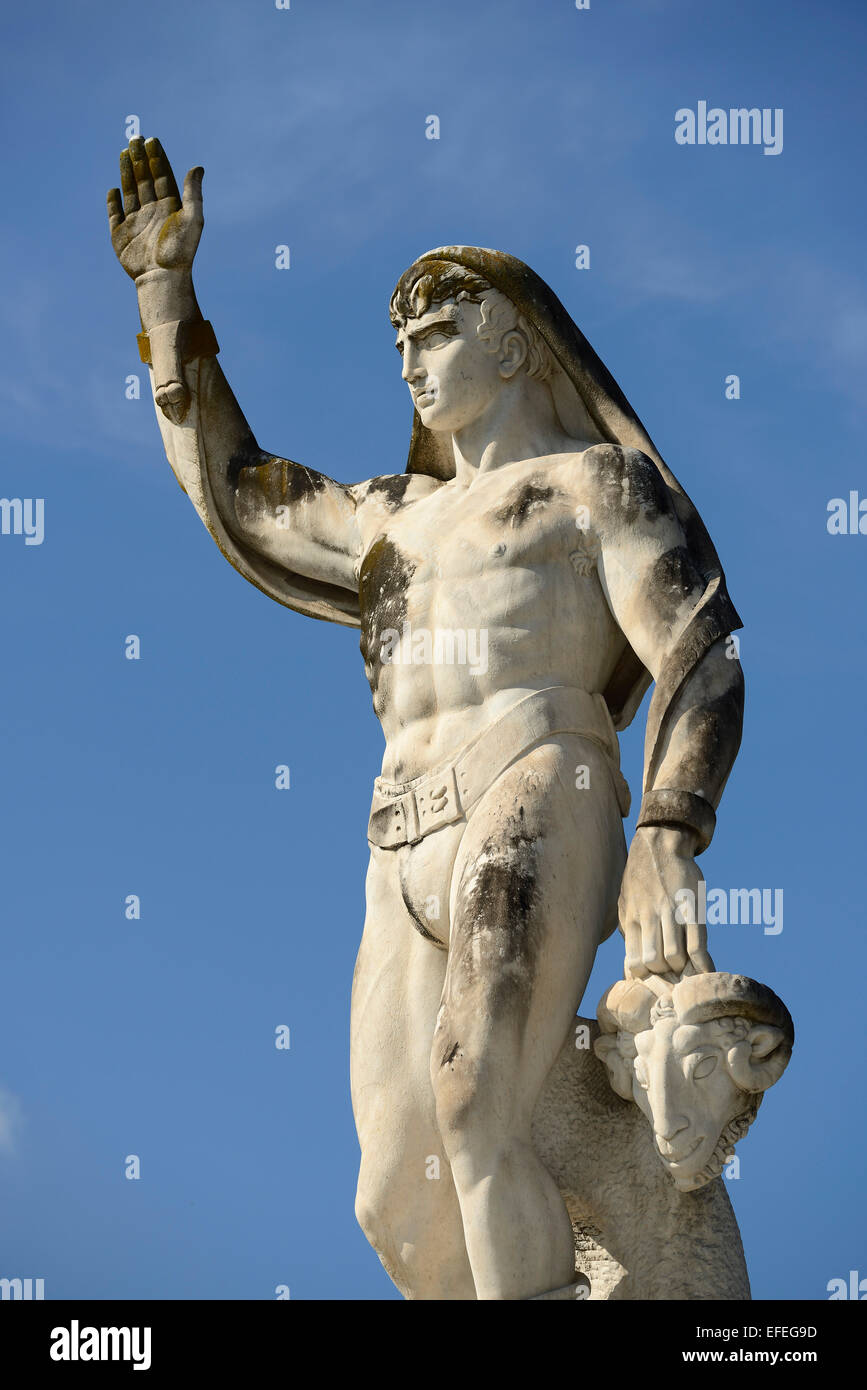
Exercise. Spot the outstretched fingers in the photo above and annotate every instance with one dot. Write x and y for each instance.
(193, 191)
(115, 209)
(164, 182)
(141, 170)
(128, 184)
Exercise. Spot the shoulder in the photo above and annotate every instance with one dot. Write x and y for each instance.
(611, 466)
(622, 486)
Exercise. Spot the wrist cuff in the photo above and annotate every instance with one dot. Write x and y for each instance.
(671, 806)
(195, 338)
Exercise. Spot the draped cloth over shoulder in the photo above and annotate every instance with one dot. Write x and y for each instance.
(186, 449)
(580, 377)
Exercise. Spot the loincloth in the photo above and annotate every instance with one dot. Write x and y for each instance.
(404, 812)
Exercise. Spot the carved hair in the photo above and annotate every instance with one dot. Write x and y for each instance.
(444, 280)
(734, 1002)
(717, 996)
(733, 1028)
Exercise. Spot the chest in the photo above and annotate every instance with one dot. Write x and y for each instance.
(495, 526)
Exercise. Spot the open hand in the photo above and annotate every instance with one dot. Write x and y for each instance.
(151, 228)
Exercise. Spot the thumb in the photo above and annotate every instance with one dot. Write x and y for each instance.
(193, 188)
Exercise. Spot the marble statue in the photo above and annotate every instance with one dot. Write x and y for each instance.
(517, 590)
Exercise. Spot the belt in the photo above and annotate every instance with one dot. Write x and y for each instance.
(404, 812)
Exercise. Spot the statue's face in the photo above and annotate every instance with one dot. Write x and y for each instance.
(683, 1084)
(452, 375)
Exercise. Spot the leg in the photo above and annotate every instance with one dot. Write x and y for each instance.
(406, 1201)
(536, 876)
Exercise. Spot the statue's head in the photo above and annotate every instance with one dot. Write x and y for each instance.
(462, 343)
(696, 1057)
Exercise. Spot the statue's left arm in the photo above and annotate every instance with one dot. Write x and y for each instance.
(671, 615)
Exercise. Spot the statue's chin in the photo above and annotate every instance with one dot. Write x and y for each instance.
(687, 1182)
(690, 1171)
(430, 408)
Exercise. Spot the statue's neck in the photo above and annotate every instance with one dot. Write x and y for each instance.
(520, 423)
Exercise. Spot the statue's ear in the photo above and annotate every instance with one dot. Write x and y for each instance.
(619, 1067)
(760, 1060)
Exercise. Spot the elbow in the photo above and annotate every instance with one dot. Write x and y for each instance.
(247, 455)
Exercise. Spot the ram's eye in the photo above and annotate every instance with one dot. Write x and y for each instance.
(704, 1068)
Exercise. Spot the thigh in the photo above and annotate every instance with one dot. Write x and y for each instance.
(406, 1200)
(396, 991)
(535, 881)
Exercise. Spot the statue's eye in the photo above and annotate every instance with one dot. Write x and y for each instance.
(704, 1068)
(641, 1075)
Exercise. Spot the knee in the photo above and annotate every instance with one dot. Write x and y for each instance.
(371, 1211)
(456, 1108)
(472, 1127)
(402, 1233)
(395, 1205)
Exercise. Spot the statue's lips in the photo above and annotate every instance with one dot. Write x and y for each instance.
(675, 1159)
(425, 398)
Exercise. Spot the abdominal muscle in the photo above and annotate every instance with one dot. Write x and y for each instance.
(429, 713)
(431, 740)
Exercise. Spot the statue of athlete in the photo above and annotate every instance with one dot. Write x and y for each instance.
(535, 525)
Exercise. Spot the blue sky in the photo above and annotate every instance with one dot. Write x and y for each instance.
(156, 777)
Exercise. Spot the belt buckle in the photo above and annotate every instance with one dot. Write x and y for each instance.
(439, 803)
(396, 823)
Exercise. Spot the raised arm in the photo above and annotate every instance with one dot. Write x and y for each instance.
(660, 602)
(288, 529)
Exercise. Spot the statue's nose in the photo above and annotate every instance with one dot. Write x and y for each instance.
(668, 1120)
(411, 368)
(670, 1126)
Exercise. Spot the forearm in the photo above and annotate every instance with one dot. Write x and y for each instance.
(165, 296)
(286, 513)
(209, 406)
(700, 745)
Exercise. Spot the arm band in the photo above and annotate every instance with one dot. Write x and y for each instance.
(671, 806)
(193, 339)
